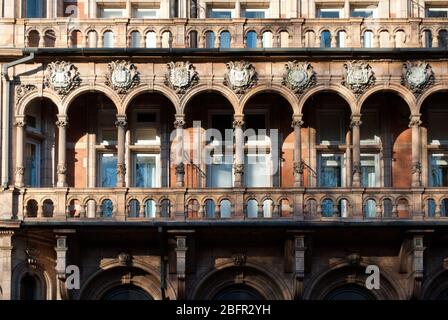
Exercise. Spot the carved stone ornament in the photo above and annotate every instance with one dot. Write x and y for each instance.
(239, 259)
(299, 76)
(358, 76)
(181, 76)
(240, 76)
(62, 77)
(122, 76)
(417, 76)
(24, 89)
(32, 255)
(125, 258)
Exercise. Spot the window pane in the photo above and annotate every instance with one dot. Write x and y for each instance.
(254, 14)
(225, 40)
(219, 14)
(150, 209)
(370, 208)
(35, 8)
(257, 173)
(226, 209)
(145, 171)
(108, 170)
(438, 175)
(329, 13)
(437, 12)
(209, 39)
(325, 39)
(368, 39)
(110, 13)
(330, 173)
(219, 172)
(108, 39)
(363, 13)
(135, 39)
(251, 40)
(32, 163)
(368, 171)
(329, 128)
(144, 13)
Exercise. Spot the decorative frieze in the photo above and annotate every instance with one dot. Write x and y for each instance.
(358, 76)
(23, 89)
(181, 76)
(122, 76)
(240, 76)
(299, 76)
(62, 77)
(417, 76)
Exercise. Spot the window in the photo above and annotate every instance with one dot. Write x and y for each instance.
(32, 164)
(340, 39)
(325, 39)
(219, 14)
(427, 39)
(146, 170)
(35, 9)
(151, 40)
(437, 12)
(144, 13)
(219, 171)
(256, 128)
(267, 39)
(209, 39)
(257, 171)
(369, 170)
(369, 128)
(329, 128)
(221, 122)
(368, 39)
(167, 39)
(254, 13)
(438, 174)
(146, 129)
(437, 133)
(107, 170)
(108, 39)
(29, 288)
(224, 40)
(193, 37)
(330, 13)
(251, 40)
(443, 39)
(111, 13)
(108, 137)
(370, 12)
(331, 169)
(135, 39)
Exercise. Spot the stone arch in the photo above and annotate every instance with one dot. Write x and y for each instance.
(269, 285)
(25, 102)
(163, 90)
(428, 93)
(47, 287)
(203, 88)
(108, 92)
(401, 91)
(435, 285)
(340, 90)
(336, 277)
(264, 88)
(110, 276)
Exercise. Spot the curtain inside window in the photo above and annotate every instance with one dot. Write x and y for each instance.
(108, 169)
(145, 171)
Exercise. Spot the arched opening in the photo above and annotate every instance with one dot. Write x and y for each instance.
(48, 208)
(400, 39)
(268, 207)
(435, 140)
(267, 39)
(31, 208)
(310, 208)
(193, 39)
(209, 39)
(251, 40)
(135, 39)
(210, 208)
(126, 292)
(165, 208)
(224, 40)
(386, 145)
(443, 39)
(167, 39)
(33, 39)
(92, 39)
(326, 139)
(341, 38)
(252, 208)
(93, 139)
(133, 208)
(285, 208)
(325, 39)
(370, 208)
(50, 39)
(150, 209)
(29, 287)
(284, 39)
(107, 208)
(151, 39)
(108, 39)
(238, 292)
(350, 292)
(384, 39)
(74, 208)
(225, 208)
(387, 208)
(427, 39)
(76, 39)
(343, 208)
(209, 115)
(193, 209)
(310, 39)
(367, 39)
(150, 119)
(327, 208)
(40, 143)
(268, 141)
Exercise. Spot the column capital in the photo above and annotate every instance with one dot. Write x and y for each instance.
(62, 121)
(121, 122)
(20, 121)
(414, 120)
(296, 122)
(238, 121)
(355, 120)
(179, 121)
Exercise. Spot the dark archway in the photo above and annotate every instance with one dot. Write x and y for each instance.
(350, 292)
(29, 287)
(126, 292)
(238, 292)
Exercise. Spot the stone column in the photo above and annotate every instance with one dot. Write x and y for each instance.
(20, 168)
(414, 124)
(62, 124)
(238, 164)
(237, 9)
(298, 165)
(181, 263)
(121, 124)
(6, 249)
(355, 124)
(179, 124)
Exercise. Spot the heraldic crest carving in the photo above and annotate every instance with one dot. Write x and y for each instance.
(181, 76)
(417, 76)
(299, 76)
(240, 76)
(358, 76)
(122, 76)
(62, 77)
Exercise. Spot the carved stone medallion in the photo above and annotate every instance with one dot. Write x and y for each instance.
(240, 76)
(181, 76)
(417, 76)
(62, 77)
(358, 76)
(122, 76)
(299, 76)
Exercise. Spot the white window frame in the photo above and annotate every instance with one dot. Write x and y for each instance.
(158, 167)
(343, 167)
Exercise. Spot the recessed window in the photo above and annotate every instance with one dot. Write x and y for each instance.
(257, 171)
(35, 9)
(221, 122)
(370, 128)
(254, 13)
(31, 121)
(146, 117)
(219, 171)
(144, 13)
(437, 135)
(145, 170)
(369, 170)
(437, 12)
(330, 128)
(111, 13)
(364, 12)
(331, 170)
(107, 170)
(32, 164)
(219, 14)
(330, 13)
(108, 137)
(438, 174)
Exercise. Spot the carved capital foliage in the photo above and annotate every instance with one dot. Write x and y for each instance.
(238, 168)
(238, 123)
(122, 76)
(121, 123)
(179, 123)
(62, 77)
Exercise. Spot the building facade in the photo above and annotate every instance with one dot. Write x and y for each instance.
(223, 149)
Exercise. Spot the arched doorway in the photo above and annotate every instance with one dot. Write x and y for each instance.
(350, 292)
(126, 292)
(238, 292)
(29, 287)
